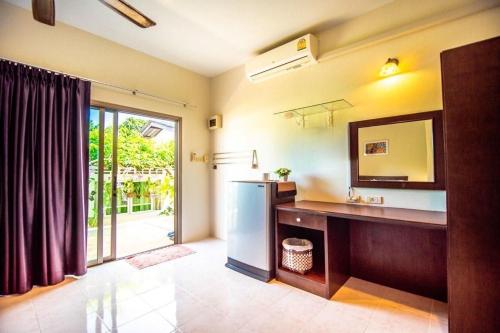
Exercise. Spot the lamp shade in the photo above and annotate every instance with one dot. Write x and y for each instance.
(390, 67)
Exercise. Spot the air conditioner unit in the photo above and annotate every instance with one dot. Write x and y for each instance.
(290, 56)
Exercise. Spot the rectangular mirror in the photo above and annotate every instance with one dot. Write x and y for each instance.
(398, 152)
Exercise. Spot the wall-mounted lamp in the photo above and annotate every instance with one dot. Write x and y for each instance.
(390, 67)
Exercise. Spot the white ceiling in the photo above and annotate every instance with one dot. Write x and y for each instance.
(208, 36)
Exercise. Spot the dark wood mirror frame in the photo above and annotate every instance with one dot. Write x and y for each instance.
(438, 140)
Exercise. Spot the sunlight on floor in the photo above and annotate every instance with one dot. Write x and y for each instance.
(136, 233)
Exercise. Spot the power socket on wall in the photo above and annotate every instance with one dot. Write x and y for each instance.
(374, 200)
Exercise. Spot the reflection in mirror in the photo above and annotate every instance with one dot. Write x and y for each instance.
(398, 152)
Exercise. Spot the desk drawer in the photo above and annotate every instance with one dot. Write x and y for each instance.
(303, 220)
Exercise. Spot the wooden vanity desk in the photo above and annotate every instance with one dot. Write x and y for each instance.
(399, 248)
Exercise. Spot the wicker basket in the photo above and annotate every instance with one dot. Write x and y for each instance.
(297, 255)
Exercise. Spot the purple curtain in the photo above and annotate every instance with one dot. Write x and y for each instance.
(43, 177)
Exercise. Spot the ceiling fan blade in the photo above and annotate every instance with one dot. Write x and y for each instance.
(129, 12)
(44, 11)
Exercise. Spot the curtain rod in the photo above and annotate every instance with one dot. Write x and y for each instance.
(134, 92)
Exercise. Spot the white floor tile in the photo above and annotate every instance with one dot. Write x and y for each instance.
(209, 321)
(73, 323)
(183, 309)
(11, 310)
(150, 323)
(438, 326)
(197, 293)
(123, 312)
(162, 295)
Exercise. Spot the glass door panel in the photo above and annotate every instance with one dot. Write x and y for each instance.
(101, 143)
(93, 209)
(132, 184)
(108, 183)
(145, 183)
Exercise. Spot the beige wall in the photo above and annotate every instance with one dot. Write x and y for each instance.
(68, 49)
(319, 157)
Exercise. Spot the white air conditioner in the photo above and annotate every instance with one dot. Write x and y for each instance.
(293, 55)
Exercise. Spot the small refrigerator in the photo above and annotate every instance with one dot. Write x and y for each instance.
(250, 243)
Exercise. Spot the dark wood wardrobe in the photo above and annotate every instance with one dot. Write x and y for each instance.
(471, 96)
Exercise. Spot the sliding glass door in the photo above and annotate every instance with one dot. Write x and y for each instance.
(99, 222)
(133, 175)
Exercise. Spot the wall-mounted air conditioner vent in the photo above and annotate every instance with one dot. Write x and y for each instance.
(290, 56)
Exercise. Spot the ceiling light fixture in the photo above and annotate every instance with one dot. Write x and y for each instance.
(153, 128)
(390, 67)
(129, 12)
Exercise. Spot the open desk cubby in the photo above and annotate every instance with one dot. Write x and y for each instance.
(330, 270)
(317, 273)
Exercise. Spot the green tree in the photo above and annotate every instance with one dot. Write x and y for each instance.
(137, 152)
(93, 143)
(134, 150)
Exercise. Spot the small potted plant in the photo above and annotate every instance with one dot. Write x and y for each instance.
(283, 173)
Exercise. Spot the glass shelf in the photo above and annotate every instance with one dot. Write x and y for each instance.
(302, 115)
(315, 109)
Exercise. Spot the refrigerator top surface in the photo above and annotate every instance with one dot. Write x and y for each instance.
(254, 181)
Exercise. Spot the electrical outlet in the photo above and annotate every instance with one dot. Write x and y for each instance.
(374, 200)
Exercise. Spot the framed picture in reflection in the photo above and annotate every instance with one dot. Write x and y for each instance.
(375, 148)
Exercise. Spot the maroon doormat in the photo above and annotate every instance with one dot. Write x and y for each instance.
(156, 257)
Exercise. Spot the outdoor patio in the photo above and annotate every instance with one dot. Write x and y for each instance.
(136, 232)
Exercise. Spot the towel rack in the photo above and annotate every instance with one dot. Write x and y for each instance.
(235, 157)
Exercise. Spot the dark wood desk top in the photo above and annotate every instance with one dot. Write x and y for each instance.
(400, 216)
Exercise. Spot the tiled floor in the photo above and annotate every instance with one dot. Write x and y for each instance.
(197, 293)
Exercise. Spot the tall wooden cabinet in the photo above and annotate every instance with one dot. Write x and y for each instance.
(471, 97)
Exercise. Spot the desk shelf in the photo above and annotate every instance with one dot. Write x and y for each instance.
(315, 276)
(312, 282)
(317, 273)
(325, 276)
